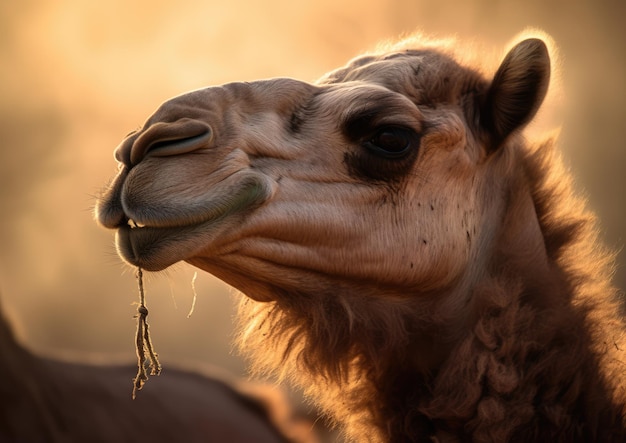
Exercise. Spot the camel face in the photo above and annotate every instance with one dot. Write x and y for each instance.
(371, 178)
(431, 274)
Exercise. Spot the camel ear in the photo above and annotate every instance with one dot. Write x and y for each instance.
(517, 90)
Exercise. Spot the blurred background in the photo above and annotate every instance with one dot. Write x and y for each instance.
(77, 76)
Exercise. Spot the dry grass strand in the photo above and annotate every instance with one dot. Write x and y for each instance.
(143, 342)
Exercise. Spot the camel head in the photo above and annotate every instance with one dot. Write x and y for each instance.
(387, 176)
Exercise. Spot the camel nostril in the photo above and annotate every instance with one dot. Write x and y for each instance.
(177, 146)
(168, 139)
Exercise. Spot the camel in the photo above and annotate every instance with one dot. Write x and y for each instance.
(408, 255)
(47, 400)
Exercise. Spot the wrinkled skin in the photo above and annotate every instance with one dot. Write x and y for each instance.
(283, 184)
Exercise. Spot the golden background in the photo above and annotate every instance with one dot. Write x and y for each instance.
(76, 76)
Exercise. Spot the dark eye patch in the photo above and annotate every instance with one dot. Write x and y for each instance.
(362, 123)
(384, 152)
(391, 142)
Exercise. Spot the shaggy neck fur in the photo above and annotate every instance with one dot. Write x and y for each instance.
(525, 368)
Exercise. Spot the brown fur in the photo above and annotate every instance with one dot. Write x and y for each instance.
(451, 291)
(544, 361)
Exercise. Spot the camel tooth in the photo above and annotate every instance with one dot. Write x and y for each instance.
(133, 224)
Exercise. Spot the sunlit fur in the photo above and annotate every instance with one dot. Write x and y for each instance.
(344, 350)
(456, 292)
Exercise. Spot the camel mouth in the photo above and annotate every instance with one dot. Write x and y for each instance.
(153, 249)
(155, 243)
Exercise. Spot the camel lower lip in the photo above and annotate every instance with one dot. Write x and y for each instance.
(156, 248)
(149, 248)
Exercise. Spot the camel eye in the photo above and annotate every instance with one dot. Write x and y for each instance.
(391, 142)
